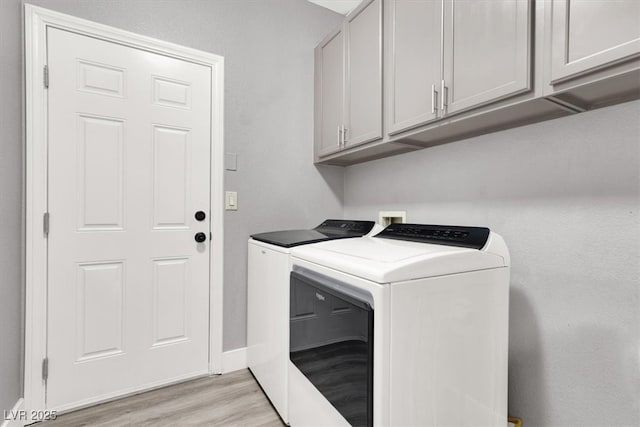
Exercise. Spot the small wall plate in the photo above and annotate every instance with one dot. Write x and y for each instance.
(391, 217)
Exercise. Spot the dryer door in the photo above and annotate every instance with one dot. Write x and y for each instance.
(331, 342)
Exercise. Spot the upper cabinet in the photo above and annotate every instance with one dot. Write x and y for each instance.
(487, 52)
(448, 56)
(414, 32)
(329, 93)
(455, 69)
(363, 118)
(587, 35)
(348, 92)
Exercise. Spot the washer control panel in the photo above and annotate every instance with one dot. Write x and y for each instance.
(339, 225)
(450, 235)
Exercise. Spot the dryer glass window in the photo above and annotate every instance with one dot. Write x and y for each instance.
(331, 343)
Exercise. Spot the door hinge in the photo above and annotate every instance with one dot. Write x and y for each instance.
(46, 76)
(45, 224)
(45, 369)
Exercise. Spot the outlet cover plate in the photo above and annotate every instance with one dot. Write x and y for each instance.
(390, 217)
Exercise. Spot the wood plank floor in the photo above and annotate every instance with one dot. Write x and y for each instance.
(233, 399)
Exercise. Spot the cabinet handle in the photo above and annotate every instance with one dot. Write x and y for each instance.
(445, 95)
(339, 135)
(434, 100)
(344, 135)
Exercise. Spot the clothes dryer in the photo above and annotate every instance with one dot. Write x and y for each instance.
(409, 327)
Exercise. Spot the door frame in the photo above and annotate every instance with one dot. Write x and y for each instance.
(37, 20)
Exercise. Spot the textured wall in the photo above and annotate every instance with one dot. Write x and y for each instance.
(268, 49)
(11, 247)
(565, 195)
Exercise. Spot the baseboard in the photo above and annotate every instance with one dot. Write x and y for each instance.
(16, 417)
(234, 360)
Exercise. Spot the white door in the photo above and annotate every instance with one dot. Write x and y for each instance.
(129, 165)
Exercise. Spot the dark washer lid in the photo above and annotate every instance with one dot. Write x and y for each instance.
(330, 229)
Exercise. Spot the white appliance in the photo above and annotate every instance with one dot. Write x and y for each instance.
(407, 328)
(268, 300)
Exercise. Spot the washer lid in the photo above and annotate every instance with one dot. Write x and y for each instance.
(330, 229)
(384, 260)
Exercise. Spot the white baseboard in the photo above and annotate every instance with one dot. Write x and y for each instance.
(234, 360)
(15, 417)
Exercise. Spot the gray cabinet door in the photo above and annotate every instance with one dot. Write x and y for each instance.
(363, 119)
(487, 50)
(589, 34)
(415, 31)
(329, 93)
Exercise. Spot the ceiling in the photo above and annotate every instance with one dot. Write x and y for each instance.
(341, 6)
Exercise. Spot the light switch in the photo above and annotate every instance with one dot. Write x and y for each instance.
(231, 200)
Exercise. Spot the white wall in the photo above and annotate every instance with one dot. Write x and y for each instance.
(565, 195)
(268, 49)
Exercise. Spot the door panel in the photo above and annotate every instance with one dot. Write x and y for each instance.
(170, 287)
(485, 59)
(171, 189)
(100, 309)
(364, 76)
(128, 287)
(101, 171)
(330, 57)
(589, 34)
(415, 52)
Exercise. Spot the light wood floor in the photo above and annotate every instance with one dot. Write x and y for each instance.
(233, 399)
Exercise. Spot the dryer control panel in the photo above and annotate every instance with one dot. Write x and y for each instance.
(450, 235)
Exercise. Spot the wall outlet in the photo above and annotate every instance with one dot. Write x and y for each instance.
(391, 217)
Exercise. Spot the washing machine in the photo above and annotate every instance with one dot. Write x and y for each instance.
(405, 328)
(268, 300)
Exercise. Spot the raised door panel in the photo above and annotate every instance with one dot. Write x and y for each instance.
(330, 92)
(486, 51)
(364, 75)
(591, 34)
(415, 32)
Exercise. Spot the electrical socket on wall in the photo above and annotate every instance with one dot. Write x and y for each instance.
(391, 217)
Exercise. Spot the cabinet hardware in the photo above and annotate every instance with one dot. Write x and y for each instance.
(45, 369)
(344, 135)
(45, 224)
(339, 135)
(434, 99)
(445, 94)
